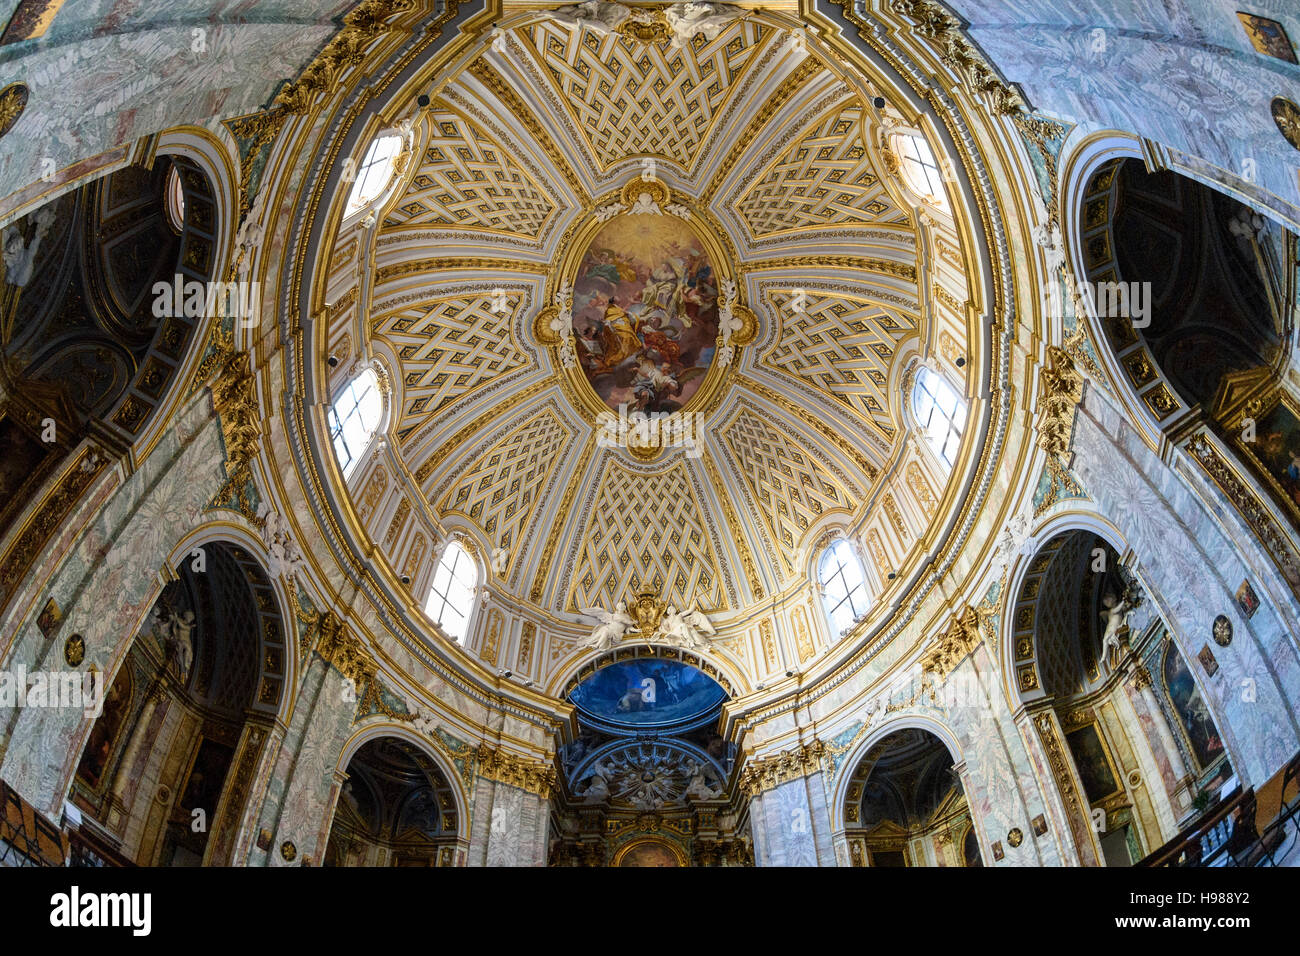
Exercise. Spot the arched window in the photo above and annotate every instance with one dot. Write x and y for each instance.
(844, 587)
(940, 411)
(174, 200)
(375, 172)
(452, 596)
(354, 419)
(919, 167)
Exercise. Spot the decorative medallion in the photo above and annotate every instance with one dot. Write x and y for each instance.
(646, 318)
(13, 100)
(1222, 631)
(1015, 837)
(74, 650)
(288, 851)
(1287, 117)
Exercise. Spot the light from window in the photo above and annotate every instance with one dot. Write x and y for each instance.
(452, 596)
(174, 196)
(375, 172)
(354, 418)
(940, 412)
(920, 168)
(844, 587)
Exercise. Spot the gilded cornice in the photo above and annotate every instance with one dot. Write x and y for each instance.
(234, 397)
(1059, 394)
(962, 635)
(340, 649)
(770, 772)
(531, 776)
(362, 24)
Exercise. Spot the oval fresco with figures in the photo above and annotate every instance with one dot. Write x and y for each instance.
(645, 312)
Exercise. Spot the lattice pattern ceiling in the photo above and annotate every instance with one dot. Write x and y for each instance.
(773, 145)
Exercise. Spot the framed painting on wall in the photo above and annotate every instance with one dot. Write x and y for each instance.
(1092, 760)
(1267, 36)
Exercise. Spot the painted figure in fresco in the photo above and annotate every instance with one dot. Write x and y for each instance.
(618, 334)
(652, 384)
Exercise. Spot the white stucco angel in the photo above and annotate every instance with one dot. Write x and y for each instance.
(685, 20)
(645, 206)
(596, 15)
(689, 629)
(610, 627)
(698, 782)
(1048, 238)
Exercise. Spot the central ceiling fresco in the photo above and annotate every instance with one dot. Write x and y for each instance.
(595, 221)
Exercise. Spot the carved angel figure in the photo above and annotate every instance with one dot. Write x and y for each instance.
(179, 629)
(1048, 238)
(1116, 615)
(596, 15)
(645, 206)
(689, 629)
(698, 782)
(610, 628)
(685, 20)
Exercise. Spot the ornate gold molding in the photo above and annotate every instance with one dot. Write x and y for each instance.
(962, 635)
(341, 650)
(234, 396)
(771, 772)
(361, 25)
(1060, 391)
(1257, 517)
(531, 776)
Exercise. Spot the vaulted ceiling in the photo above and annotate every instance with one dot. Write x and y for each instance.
(777, 151)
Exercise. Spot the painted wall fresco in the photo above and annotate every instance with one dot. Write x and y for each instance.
(645, 693)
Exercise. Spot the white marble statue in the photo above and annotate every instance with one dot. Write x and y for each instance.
(1116, 615)
(1048, 238)
(610, 628)
(596, 15)
(698, 782)
(689, 629)
(179, 629)
(685, 20)
(20, 257)
(598, 789)
(284, 556)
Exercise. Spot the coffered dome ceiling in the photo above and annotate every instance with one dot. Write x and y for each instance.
(564, 152)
